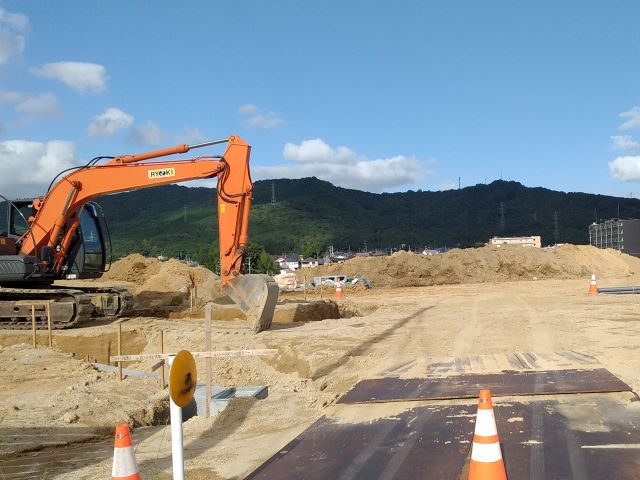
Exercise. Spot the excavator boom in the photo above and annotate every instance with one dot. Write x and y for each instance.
(53, 230)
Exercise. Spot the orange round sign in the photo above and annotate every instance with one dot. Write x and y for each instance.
(182, 378)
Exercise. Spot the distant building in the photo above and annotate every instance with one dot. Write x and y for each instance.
(310, 262)
(287, 262)
(622, 235)
(532, 241)
(293, 262)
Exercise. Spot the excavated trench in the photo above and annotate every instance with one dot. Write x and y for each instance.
(100, 341)
(96, 345)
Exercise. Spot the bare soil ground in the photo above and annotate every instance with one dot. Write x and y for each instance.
(49, 397)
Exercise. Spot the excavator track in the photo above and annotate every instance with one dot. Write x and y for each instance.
(69, 307)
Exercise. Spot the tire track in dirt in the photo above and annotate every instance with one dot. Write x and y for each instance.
(543, 340)
(470, 333)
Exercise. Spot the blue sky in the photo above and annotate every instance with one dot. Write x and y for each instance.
(379, 96)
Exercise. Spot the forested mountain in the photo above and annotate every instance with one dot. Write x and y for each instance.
(310, 214)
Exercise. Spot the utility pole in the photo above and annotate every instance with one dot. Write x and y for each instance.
(184, 212)
(501, 215)
(273, 192)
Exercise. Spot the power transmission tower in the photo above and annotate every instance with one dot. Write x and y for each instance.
(273, 192)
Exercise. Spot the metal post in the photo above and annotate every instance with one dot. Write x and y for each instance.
(33, 324)
(321, 288)
(49, 324)
(208, 315)
(177, 454)
(304, 288)
(120, 351)
(163, 361)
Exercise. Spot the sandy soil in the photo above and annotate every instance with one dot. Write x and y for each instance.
(317, 362)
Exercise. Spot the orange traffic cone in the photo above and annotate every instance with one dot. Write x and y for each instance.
(486, 457)
(125, 466)
(593, 289)
(339, 294)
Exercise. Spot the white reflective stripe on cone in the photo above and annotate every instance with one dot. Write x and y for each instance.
(124, 462)
(486, 453)
(485, 423)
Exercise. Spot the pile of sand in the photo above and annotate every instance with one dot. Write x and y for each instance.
(486, 264)
(168, 282)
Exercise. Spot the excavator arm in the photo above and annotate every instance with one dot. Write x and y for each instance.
(57, 214)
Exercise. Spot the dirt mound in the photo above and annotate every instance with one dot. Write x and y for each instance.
(487, 264)
(133, 268)
(164, 283)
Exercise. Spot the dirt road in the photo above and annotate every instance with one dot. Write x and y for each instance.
(403, 331)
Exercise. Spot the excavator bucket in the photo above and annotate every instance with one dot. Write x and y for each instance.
(256, 295)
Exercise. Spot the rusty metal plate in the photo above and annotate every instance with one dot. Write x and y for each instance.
(406, 446)
(467, 385)
(593, 437)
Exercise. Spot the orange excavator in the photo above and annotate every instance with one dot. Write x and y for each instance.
(63, 235)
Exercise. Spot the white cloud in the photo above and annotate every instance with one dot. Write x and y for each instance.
(80, 76)
(9, 97)
(39, 107)
(256, 118)
(447, 186)
(266, 121)
(190, 135)
(17, 21)
(633, 121)
(42, 161)
(12, 40)
(147, 134)
(109, 122)
(625, 168)
(343, 167)
(625, 143)
(150, 134)
(247, 109)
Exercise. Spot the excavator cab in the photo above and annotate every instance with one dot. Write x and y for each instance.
(87, 257)
(14, 224)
